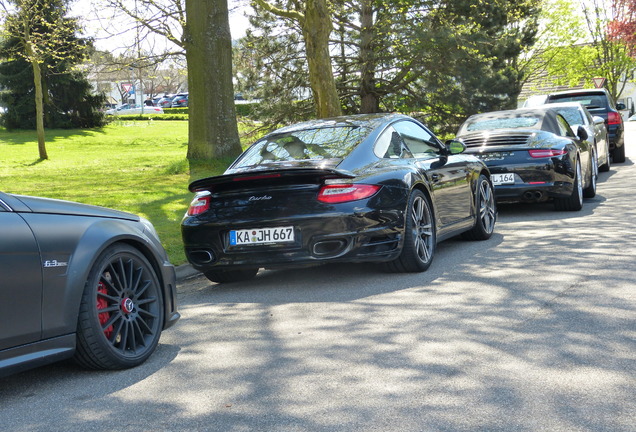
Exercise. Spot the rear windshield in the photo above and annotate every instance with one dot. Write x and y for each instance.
(502, 123)
(572, 115)
(587, 100)
(307, 144)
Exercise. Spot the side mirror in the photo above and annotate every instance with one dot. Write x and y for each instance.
(598, 120)
(620, 106)
(455, 146)
(582, 133)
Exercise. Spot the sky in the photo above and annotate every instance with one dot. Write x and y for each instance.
(112, 35)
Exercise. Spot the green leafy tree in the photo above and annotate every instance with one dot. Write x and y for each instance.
(271, 66)
(39, 54)
(314, 19)
(597, 43)
(450, 58)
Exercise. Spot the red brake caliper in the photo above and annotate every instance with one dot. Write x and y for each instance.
(103, 304)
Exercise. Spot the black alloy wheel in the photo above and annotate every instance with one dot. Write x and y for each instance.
(575, 201)
(227, 276)
(419, 237)
(486, 211)
(121, 313)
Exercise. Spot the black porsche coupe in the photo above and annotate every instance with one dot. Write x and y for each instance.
(80, 281)
(375, 187)
(534, 156)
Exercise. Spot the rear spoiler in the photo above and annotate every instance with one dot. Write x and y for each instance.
(208, 183)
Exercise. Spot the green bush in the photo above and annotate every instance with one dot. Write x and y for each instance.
(183, 110)
(151, 117)
(243, 109)
(246, 109)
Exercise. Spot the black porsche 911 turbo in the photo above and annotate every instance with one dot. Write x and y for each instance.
(80, 281)
(377, 187)
(533, 156)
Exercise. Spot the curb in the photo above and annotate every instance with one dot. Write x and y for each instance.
(186, 271)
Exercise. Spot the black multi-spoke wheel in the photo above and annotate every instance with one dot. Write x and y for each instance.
(575, 201)
(121, 313)
(419, 236)
(486, 211)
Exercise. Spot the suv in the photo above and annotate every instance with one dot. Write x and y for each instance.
(599, 103)
(180, 100)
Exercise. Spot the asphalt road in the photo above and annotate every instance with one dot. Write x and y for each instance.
(533, 330)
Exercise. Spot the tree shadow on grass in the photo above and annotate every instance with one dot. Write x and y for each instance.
(24, 136)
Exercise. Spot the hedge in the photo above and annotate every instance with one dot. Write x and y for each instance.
(242, 110)
(151, 117)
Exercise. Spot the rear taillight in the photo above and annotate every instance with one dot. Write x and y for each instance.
(614, 118)
(544, 153)
(200, 204)
(346, 192)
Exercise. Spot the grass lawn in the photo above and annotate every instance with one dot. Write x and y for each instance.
(139, 167)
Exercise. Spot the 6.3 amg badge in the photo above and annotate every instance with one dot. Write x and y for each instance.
(54, 263)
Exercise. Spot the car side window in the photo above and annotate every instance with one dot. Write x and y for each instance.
(564, 127)
(418, 140)
(391, 145)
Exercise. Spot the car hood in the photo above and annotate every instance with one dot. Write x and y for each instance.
(53, 206)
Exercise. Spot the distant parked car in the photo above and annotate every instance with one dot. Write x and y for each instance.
(180, 100)
(80, 281)
(577, 115)
(535, 101)
(599, 102)
(134, 109)
(165, 101)
(533, 156)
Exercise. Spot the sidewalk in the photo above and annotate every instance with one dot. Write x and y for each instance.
(185, 271)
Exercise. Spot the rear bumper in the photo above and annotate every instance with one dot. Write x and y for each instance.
(533, 193)
(360, 237)
(535, 182)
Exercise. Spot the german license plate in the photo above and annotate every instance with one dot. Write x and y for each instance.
(499, 179)
(258, 236)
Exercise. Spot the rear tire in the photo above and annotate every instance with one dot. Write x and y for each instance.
(619, 154)
(121, 313)
(419, 237)
(486, 211)
(228, 276)
(575, 201)
(607, 163)
(590, 190)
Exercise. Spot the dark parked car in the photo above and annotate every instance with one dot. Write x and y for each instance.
(533, 156)
(577, 115)
(600, 103)
(180, 100)
(348, 189)
(80, 281)
(165, 101)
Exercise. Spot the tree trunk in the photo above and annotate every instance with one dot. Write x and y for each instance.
(39, 109)
(317, 27)
(368, 96)
(213, 131)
